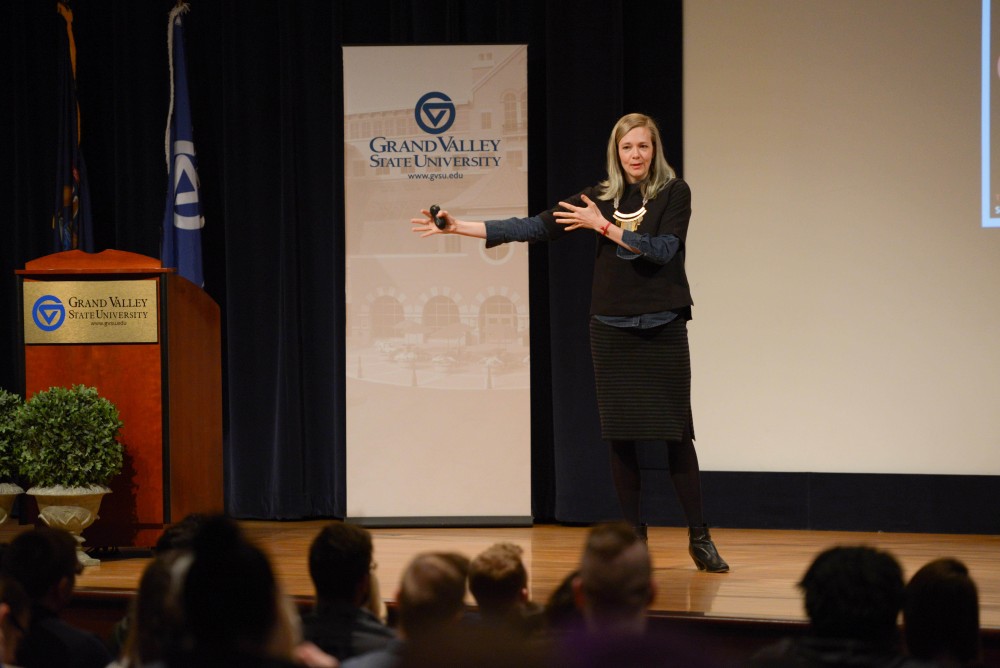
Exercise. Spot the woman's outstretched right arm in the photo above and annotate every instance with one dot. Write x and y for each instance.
(495, 232)
(426, 227)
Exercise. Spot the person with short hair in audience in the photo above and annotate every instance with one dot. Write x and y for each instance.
(431, 602)
(15, 619)
(614, 589)
(341, 568)
(44, 562)
(615, 585)
(498, 581)
(941, 615)
(853, 596)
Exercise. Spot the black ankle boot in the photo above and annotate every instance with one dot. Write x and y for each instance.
(640, 532)
(702, 550)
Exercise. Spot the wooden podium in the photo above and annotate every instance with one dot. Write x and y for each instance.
(149, 341)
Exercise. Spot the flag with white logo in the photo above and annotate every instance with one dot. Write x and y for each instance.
(72, 225)
(182, 219)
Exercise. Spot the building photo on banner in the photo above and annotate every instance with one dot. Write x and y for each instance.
(437, 357)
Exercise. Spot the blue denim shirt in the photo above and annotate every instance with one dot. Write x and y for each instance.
(659, 249)
(644, 321)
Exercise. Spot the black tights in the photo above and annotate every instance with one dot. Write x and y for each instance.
(684, 474)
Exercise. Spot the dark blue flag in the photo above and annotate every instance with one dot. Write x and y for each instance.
(182, 219)
(72, 225)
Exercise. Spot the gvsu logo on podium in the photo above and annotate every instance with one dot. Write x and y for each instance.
(435, 112)
(48, 313)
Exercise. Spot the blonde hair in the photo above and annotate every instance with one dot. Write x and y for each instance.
(660, 172)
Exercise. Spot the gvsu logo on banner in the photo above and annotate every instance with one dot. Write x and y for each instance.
(435, 113)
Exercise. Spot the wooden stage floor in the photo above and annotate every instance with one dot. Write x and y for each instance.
(766, 564)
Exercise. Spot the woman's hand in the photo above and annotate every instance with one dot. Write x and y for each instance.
(575, 217)
(427, 227)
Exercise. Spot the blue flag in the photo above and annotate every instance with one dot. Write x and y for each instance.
(182, 219)
(72, 225)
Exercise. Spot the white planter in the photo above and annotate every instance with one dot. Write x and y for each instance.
(70, 508)
(8, 493)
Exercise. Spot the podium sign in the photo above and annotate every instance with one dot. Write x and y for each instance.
(90, 312)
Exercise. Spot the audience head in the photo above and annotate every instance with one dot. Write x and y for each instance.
(178, 536)
(230, 599)
(15, 616)
(498, 579)
(615, 584)
(45, 564)
(155, 624)
(941, 613)
(561, 611)
(374, 603)
(432, 593)
(340, 562)
(854, 592)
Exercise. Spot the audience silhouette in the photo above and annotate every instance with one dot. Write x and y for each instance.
(498, 581)
(210, 598)
(615, 585)
(853, 597)
(431, 602)
(157, 613)
(44, 562)
(234, 613)
(342, 570)
(155, 623)
(941, 614)
(15, 618)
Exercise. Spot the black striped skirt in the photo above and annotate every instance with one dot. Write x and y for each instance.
(643, 379)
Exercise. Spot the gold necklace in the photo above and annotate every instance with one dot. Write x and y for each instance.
(629, 221)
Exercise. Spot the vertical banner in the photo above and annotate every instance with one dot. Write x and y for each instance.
(438, 397)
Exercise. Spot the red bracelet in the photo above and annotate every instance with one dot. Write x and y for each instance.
(604, 230)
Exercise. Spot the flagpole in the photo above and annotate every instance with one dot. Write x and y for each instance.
(180, 8)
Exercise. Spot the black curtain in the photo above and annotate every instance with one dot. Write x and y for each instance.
(266, 89)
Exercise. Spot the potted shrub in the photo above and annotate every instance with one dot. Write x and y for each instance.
(10, 404)
(68, 453)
